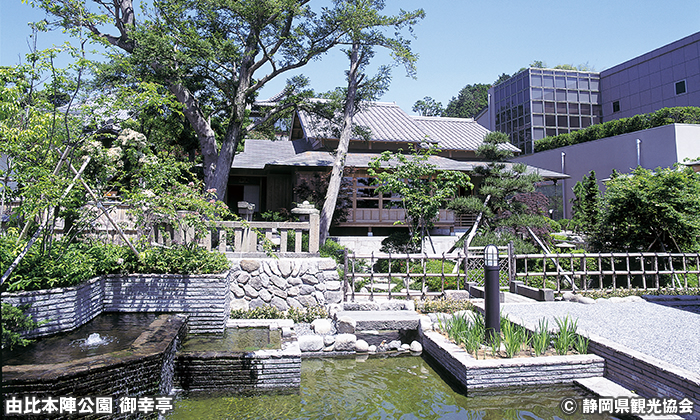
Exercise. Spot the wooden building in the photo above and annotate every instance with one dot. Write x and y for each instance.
(273, 174)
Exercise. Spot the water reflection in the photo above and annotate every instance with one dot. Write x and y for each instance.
(379, 388)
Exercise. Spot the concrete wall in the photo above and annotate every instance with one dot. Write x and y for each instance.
(647, 376)
(660, 147)
(498, 373)
(647, 83)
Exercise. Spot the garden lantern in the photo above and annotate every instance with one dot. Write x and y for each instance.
(492, 292)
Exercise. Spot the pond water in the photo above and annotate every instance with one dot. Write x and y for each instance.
(378, 388)
(236, 339)
(106, 333)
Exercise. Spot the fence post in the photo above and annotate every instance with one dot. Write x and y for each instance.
(314, 232)
(345, 275)
(511, 262)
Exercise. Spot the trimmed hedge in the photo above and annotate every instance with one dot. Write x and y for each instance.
(664, 116)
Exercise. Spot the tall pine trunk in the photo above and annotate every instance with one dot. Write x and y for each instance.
(342, 151)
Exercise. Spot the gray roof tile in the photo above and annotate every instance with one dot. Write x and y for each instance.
(455, 133)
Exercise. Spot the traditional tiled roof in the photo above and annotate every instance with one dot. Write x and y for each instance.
(455, 133)
(361, 160)
(385, 120)
(258, 153)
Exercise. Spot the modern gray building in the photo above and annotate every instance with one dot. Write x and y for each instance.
(665, 77)
(537, 103)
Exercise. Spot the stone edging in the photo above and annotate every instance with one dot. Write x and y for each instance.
(136, 370)
(491, 373)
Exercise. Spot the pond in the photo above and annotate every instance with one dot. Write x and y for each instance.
(378, 388)
(106, 333)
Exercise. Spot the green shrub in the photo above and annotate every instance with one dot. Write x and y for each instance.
(68, 264)
(665, 116)
(306, 314)
(443, 305)
(332, 249)
(14, 323)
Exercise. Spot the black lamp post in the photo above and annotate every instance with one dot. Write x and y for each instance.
(492, 292)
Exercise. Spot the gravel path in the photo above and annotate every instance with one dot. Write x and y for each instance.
(668, 334)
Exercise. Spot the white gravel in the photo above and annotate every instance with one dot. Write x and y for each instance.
(668, 334)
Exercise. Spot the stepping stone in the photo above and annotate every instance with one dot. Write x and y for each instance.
(382, 320)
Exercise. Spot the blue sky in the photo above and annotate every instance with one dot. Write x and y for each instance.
(462, 42)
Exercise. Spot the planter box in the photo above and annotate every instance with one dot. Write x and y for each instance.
(477, 375)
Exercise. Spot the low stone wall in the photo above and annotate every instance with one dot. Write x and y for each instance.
(62, 309)
(243, 371)
(284, 283)
(205, 298)
(478, 375)
(262, 370)
(646, 375)
(138, 370)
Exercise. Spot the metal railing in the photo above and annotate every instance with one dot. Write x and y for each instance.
(584, 271)
(381, 274)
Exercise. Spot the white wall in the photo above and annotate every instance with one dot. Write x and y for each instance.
(659, 147)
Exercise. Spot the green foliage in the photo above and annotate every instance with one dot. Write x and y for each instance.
(181, 259)
(443, 305)
(428, 107)
(466, 205)
(470, 101)
(650, 211)
(566, 336)
(514, 205)
(587, 204)
(14, 323)
(514, 337)
(423, 188)
(665, 116)
(71, 263)
(298, 315)
(399, 242)
(332, 249)
(541, 337)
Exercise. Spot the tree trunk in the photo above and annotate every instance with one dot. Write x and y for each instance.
(342, 151)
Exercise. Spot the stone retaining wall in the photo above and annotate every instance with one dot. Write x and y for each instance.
(138, 370)
(646, 375)
(63, 309)
(284, 283)
(204, 297)
(263, 370)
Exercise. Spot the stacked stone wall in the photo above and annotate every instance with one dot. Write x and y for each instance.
(284, 283)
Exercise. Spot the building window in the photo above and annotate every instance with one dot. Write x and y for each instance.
(680, 87)
(616, 106)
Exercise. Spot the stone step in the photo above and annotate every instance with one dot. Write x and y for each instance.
(606, 388)
(382, 320)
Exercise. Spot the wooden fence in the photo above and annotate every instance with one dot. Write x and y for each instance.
(645, 270)
(384, 275)
(388, 275)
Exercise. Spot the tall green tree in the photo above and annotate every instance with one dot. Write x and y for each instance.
(365, 27)
(214, 56)
(428, 107)
(469, 102)
(513, 205)
(651, 211)
(586, 204)
(423, 188)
